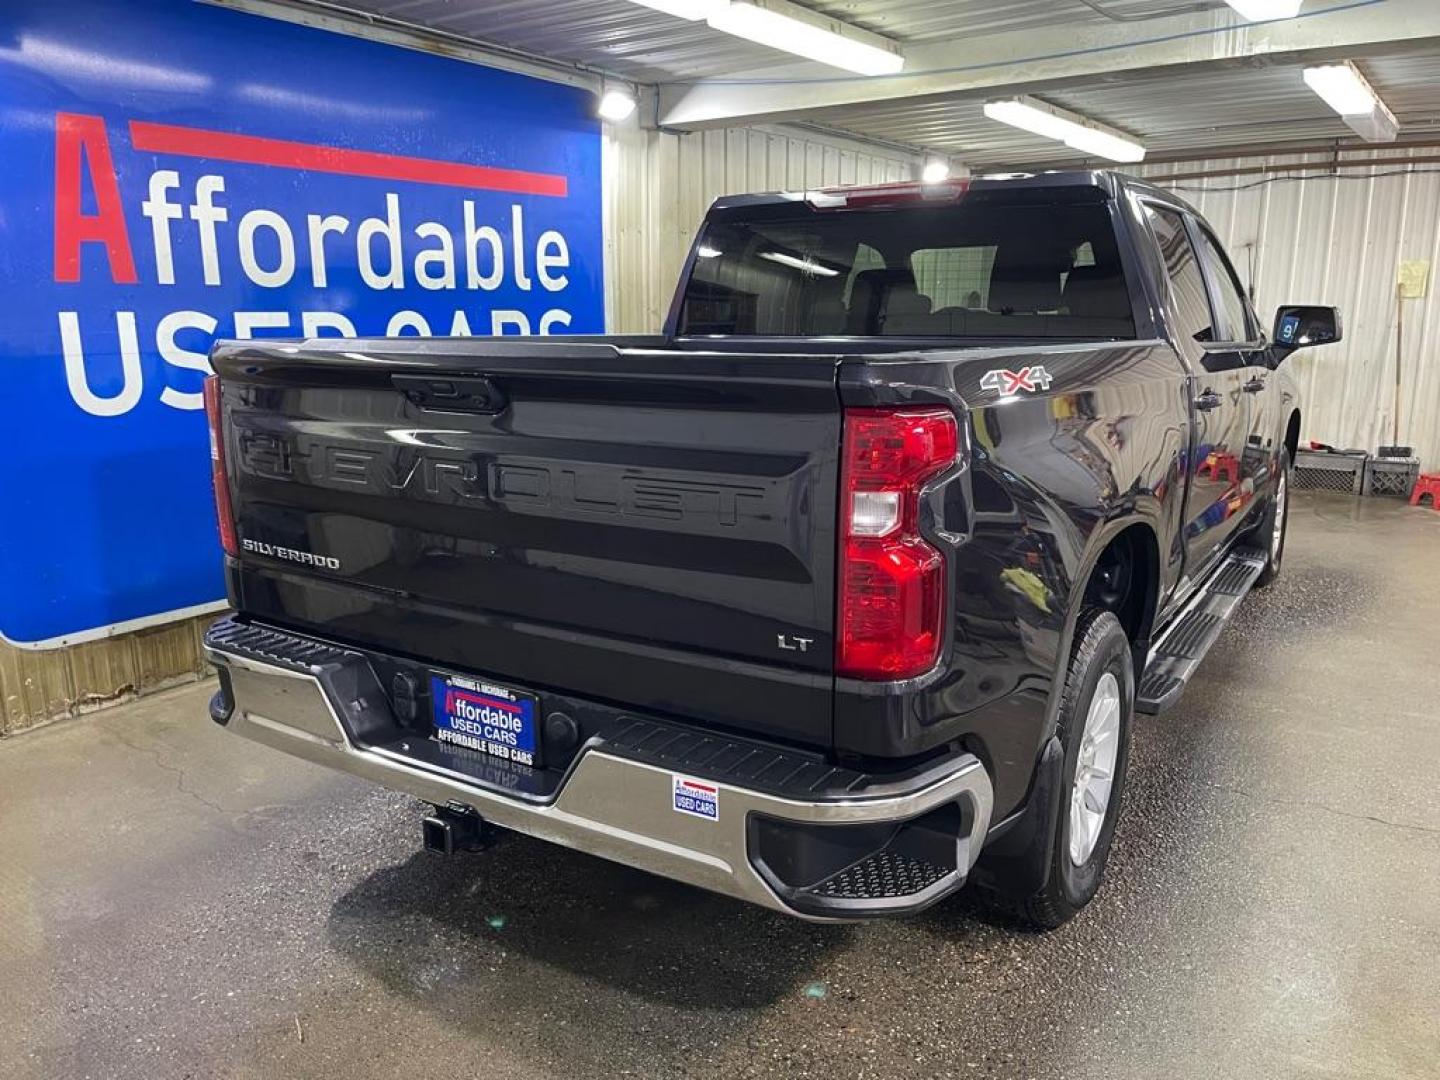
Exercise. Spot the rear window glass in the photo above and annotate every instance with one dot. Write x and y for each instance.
(955, 276)
(975, 268)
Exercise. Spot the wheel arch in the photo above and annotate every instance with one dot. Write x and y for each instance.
(1138, 537)
(1020, 856)
(1135, 548)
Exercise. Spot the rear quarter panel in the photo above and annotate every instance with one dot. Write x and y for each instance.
(1050, 477)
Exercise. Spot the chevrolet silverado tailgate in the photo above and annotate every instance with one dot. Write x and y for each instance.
(649, 527)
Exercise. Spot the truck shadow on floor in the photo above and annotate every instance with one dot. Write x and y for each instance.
(529, 923)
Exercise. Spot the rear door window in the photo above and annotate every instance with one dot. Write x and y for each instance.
(1234, 323)
(1189, 299)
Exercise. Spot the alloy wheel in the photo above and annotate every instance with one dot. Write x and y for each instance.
(1095, 769)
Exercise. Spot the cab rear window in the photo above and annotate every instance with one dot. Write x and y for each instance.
(971, 269)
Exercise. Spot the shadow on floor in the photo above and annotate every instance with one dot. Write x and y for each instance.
(432, 924)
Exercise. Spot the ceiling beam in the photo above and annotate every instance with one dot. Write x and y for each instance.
(1037, 59)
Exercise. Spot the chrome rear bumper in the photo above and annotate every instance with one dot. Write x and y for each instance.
(618, 808)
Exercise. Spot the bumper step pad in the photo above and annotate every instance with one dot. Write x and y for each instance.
(886, 875)
(1176, 656)
(833, 871)
(275, 646)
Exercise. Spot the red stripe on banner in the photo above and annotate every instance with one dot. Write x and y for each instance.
(254, 150)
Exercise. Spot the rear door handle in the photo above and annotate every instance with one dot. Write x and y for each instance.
(1254, 386)
(1208, 400)
(467, 393)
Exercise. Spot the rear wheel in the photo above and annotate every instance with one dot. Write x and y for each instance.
(1094, 731)
(1271, 533)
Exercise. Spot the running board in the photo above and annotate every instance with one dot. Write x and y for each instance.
(1178, 652)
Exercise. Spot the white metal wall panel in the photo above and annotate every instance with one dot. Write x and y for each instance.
(659, 184)
(1339, 239)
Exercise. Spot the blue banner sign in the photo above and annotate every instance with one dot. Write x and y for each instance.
(176, 172)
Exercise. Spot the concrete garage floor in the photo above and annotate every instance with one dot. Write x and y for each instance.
(177, 902)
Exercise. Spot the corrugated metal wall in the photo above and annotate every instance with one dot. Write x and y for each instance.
(40, 686)
(659, 184)
(1339, 239)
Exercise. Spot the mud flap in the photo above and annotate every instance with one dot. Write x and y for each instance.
(1018, 862)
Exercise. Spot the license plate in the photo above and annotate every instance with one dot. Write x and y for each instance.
(483, 716)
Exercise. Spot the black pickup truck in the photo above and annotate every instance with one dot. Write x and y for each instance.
(838, 593)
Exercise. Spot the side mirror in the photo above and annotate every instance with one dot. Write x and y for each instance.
(1299, 325)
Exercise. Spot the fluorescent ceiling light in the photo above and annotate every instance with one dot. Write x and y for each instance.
(936, 171)
(1032, 117)
(705, 251)
(782, 25)
(1075, 131)
(1344, 89)
(693, 10)
(1266, 10)
(804, 265)
(616, 105)
(1099, 143)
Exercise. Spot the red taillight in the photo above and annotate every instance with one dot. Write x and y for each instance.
(224, 512)
(891, 577)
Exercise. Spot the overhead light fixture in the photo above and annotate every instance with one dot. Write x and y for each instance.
(1075, 131)
(616, 105)
(1029, 114)
(1266, 10)
(694, 10)
(805, 266)
(1093, 141)
(1344, 89)
(936, 171)
(783, 25)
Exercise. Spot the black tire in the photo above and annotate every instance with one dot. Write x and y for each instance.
(1265, 536)
(1101, 647)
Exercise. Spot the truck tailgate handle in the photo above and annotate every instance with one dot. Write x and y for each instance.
(461, 393)
(1207, 401)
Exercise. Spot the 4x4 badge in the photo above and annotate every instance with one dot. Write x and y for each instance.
(1008, 383)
